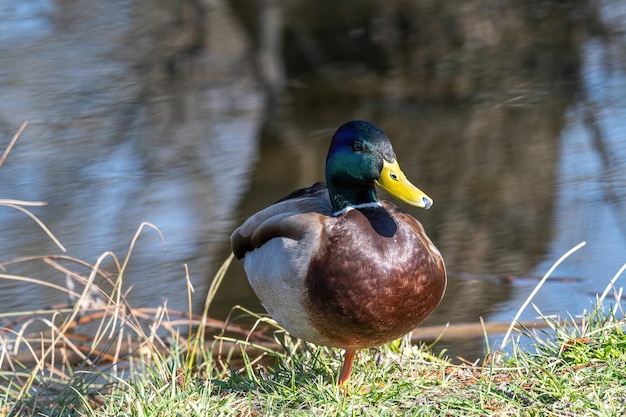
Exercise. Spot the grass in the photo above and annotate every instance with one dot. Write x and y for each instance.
(100, 356)
(137, 364)
(580, 372)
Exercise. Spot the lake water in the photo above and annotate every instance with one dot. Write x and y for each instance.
(515, 127)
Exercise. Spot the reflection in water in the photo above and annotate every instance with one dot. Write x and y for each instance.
(147, 111)
(130, 120)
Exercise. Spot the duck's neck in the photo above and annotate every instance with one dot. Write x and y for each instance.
(344, 199)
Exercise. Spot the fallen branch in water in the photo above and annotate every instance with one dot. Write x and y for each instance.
(508, 278)
(464, 331)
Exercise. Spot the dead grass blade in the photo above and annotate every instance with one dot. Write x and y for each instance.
(536, 290)
(10, 146)
(11, 203)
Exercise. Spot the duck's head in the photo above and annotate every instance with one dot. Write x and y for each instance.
(360, 156)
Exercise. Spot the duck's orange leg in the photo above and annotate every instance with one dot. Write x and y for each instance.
(346, 369)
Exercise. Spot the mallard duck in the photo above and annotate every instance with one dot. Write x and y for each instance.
(335, 266)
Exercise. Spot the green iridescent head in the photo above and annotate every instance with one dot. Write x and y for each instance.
(360, 156)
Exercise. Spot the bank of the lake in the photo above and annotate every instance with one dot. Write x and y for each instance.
(577, 366)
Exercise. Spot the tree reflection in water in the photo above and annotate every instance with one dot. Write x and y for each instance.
(192, 115)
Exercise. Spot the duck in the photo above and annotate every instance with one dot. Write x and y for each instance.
(334, 265)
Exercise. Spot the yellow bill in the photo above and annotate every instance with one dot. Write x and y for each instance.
(393, 180)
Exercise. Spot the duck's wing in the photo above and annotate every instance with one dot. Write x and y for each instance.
(311, 191)
(294, 216)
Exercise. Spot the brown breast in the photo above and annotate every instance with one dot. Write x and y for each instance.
(374, 278)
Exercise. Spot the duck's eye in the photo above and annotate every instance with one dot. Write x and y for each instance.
(357, 146)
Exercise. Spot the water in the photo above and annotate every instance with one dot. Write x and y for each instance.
(139, 116)
(589, 201)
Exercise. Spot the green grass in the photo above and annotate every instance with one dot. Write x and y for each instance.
(566, 376)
